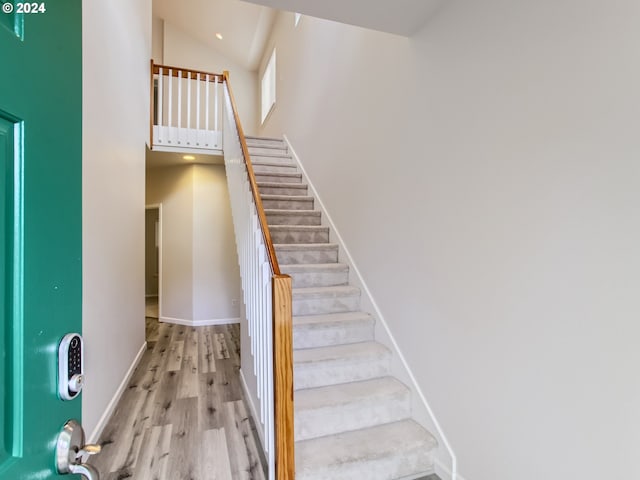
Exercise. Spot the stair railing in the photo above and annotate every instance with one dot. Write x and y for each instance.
(267, 297)
(185, 110)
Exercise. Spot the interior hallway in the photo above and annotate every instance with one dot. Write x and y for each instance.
(183, 414)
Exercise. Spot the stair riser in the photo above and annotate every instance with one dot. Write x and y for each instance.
(306, 204)
(332, 372)
(320, 306)
(274, 178)
(283, 190)
(319, 279)
(385, 468)
(279, 219)
(314, 337)
(258, 168)
(307, 257)
(293, 236)
(267, 151)
(265, 142)
(285, 159)
(363, 413)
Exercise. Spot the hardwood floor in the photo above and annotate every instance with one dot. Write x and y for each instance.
(183, 415)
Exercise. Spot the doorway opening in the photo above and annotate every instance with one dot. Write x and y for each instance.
(153, 268)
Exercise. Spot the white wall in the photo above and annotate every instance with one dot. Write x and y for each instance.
(157, 40)
(501, 186)
(200, 274)
(173, 188)
(216, 274)
(183, 50)
(116, 52)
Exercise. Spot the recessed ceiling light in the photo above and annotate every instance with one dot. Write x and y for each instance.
(189, 157)
(219, 36)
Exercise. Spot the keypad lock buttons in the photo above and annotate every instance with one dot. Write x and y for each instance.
(70, 366)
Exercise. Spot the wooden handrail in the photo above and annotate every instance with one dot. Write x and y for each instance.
(185, 72)
(271, 253)
(282, 321)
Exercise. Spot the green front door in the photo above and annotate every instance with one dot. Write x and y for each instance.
(40, 226)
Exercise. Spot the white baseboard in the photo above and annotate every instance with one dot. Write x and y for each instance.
(404, 372)
(200, 323)
(95, 435)
(252, 410)
(444, 472)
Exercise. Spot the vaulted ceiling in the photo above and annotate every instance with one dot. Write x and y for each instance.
(402, 17)
(245, 26)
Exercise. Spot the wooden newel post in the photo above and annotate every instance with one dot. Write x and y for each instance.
(283, 369)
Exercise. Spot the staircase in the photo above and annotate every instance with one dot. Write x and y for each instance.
(352, 418)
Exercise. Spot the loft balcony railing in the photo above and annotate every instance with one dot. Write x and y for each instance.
(186, 113)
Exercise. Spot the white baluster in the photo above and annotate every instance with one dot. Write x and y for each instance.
(160, 97)
(216, 106)
(179, 106)
(206, 103)
(170, 118)
(198, 109)
(189, 100)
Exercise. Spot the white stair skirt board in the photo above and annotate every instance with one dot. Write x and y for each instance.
(104, 419)
(199, 323)
(353, 417)
(252, 409)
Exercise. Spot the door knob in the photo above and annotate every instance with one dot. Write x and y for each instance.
(72, 453)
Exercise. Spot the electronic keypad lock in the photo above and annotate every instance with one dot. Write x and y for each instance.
(70, 366)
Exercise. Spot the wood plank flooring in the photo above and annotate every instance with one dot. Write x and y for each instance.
(183, 415)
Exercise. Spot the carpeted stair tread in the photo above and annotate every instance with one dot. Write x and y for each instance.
(267, 145)
(292, 213)
(306, 253)
(388, 451)
(320, 300)
(317, 274)
(329, 320)
(302, 198)
(287, 202)
(276, 177)
(340, 352)
(304, 274)
(324, 292)
(270, 163)
(314, 331)
(285, 247)
(298, 228)
(349, 406)
(309, 234)
(338, 364)
(260, 168)
(282, 188)
(345, 393)
(265, 142)
(267, 150)
(271, 157)
(314, 267)
(297, 186)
